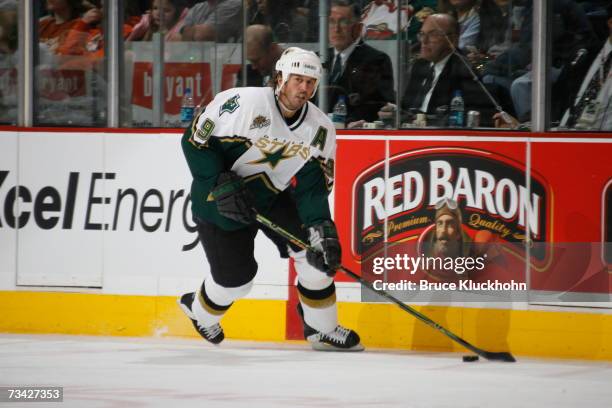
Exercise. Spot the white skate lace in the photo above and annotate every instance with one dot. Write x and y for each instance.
(211, 331)
(339, 335)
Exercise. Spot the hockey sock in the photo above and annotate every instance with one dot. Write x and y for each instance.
(207, 311)
(319, 305)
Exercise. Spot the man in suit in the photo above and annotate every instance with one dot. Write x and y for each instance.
(358, 71)
(440, 71)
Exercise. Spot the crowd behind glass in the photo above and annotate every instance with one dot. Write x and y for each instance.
(393, 62)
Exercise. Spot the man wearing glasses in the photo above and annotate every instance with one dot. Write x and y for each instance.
(357, 71)
(440, 72)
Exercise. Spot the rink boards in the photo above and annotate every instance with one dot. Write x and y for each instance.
(97, 239)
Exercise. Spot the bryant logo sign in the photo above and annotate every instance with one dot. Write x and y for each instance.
(490, 190)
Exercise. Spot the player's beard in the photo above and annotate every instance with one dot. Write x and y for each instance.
(294, 102)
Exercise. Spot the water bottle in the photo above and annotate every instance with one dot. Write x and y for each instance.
(339, 113)
(457, 111)
(187, 108)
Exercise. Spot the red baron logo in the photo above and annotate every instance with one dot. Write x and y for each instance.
(489, 188)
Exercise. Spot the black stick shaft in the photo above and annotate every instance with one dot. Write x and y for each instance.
(412, 311)
(298, 242)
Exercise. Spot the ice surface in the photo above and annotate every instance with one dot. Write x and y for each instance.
(168, 372)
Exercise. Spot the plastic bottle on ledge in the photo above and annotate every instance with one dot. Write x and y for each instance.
(457, 111)
(339, 113)
(187, 108)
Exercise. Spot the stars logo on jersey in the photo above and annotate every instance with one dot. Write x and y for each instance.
(274, 151)
(273, 158)
(260, 122)
(230, 105)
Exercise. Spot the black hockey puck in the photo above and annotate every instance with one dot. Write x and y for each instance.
(470, 359)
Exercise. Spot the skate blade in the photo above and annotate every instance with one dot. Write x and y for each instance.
(318, 346)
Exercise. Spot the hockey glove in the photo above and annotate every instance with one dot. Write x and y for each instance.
(325, 254)
(233, 199)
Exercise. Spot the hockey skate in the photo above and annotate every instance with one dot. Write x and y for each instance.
(340, 339)
(213, 334)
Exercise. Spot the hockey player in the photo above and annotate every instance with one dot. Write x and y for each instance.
(272, 151)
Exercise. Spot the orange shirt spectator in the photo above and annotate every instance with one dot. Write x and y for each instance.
(86, 38)
(54, 28)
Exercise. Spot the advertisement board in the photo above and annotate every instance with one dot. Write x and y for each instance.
(112, 210)
(106, 210)
(533, 212)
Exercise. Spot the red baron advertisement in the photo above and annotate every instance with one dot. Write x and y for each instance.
(554, 216)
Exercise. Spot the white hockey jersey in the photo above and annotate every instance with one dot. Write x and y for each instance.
(242, 129)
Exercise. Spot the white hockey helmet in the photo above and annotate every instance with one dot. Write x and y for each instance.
(295, 60)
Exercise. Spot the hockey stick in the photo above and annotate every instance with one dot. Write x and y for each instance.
(489, 355)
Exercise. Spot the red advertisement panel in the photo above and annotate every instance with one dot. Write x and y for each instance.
(178, 76)
(581, 174)
(60, 84)
(551, 211)
(352, 158)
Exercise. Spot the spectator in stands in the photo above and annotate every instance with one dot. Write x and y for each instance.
(358, 71)
(512, 70)
(466, 13)
(8, 27)
(287, 24)
(439, 72)
(310, 10)
(495, 33)
(379, 18)
(262, 53)
(86, 37)
(592, 107)
(8, 61)
(165, 16)
(133, 11)
(213, 20)
(53, 28)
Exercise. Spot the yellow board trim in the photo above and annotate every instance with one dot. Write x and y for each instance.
(123, 315)
(556, 334)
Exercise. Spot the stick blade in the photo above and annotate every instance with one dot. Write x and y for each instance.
(500, 356)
